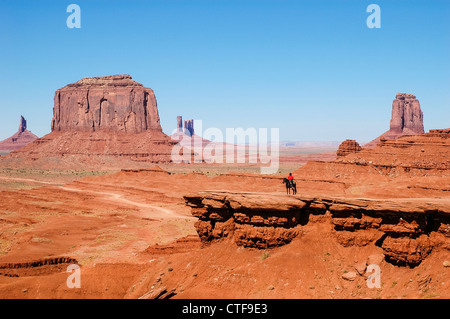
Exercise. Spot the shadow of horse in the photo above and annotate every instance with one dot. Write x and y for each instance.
(289, 185)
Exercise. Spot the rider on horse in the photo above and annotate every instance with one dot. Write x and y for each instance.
(291, 178)
(290, 184)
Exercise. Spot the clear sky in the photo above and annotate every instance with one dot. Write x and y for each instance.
(311, 68)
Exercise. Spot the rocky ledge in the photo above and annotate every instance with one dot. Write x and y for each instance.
(406, 229)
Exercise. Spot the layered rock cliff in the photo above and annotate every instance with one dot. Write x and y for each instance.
(348, 147)
(406, 230)
(115, 103)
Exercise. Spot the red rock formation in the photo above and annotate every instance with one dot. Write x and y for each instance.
(22, 125)
(179, 124)
(115, 103)
(407, 119)
(18, 140)
(100, 122)
(407, 230)
(189, 127)
(348, 147)
(410, 166)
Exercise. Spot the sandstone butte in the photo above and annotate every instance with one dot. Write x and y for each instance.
(348, 147)
(107, 103)
(407, 119)
(107, 122)
(21, 138)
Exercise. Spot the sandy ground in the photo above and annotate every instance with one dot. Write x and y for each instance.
(133, 237)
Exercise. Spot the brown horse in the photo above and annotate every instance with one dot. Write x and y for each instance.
(289, 185)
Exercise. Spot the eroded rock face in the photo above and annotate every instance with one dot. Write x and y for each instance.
(110, 103)
(348, 147)
(406, 119)
(406, 230)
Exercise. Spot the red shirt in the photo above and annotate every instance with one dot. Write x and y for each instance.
(290, 177)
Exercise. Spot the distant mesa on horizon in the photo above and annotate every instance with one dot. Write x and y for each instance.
(113, 121)
(187, 131)
(21, 138)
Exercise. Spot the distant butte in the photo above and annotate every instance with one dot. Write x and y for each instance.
(407, 119)
(18, 140)
(348, 147)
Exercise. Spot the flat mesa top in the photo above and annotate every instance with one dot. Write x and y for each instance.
(276, 201)
(110, 80)
(405, 96)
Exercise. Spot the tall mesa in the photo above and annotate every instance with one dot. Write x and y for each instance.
(111, 103)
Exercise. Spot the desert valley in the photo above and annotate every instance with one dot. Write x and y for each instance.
(101, 192)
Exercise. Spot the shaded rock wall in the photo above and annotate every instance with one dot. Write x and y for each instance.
(406, 230)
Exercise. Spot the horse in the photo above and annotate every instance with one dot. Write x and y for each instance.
(289, 185)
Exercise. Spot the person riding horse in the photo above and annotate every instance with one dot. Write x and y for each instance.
(290, 184)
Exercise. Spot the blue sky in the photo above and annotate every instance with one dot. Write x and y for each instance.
(311, 68)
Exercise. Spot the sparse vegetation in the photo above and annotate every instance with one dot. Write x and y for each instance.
(430, 295)
(55, 176)
(265, 255)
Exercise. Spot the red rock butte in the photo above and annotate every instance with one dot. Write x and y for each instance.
(407, 119)
(21, 138)
(114, 103)
(348, 147)
(99, 122)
